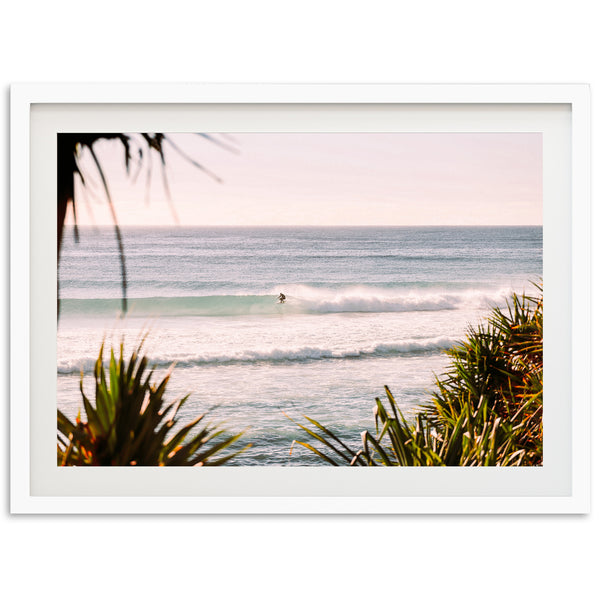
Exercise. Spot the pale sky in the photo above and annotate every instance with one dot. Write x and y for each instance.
(328, 179)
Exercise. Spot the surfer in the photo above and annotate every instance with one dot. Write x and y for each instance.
(281, 298)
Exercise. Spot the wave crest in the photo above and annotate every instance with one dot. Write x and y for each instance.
(300, 300)
(279, 355)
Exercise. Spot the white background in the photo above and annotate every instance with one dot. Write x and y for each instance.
(321, 42)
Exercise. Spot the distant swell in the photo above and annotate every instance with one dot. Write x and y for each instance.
(280, 355)
(305, 300)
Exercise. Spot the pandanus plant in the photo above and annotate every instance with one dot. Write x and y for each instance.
(132, 425)
(138, 152)
(486, 411)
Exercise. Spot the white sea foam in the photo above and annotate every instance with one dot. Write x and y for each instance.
(276, 355)
(362, 299)
(300, 300)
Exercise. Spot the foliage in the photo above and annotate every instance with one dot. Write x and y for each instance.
(130, 423)
(487, 409)
(137, 148)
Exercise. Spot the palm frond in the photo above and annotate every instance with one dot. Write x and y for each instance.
(486, 410)
(131, 424)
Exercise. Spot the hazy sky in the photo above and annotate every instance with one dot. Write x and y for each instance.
(328, 179)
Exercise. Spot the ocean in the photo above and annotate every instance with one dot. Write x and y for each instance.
(365, 307)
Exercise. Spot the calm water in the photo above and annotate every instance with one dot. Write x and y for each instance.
(366, 307)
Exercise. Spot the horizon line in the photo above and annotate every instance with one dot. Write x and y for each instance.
(271, 226)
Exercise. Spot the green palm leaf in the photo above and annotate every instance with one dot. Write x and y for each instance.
(130, 421)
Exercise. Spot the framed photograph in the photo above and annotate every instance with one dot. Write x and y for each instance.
(300, 299)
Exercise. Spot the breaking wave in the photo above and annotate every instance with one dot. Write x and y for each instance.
(300, 300)
(280, 355)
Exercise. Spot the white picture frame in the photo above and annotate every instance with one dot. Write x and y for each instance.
(560, 112)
